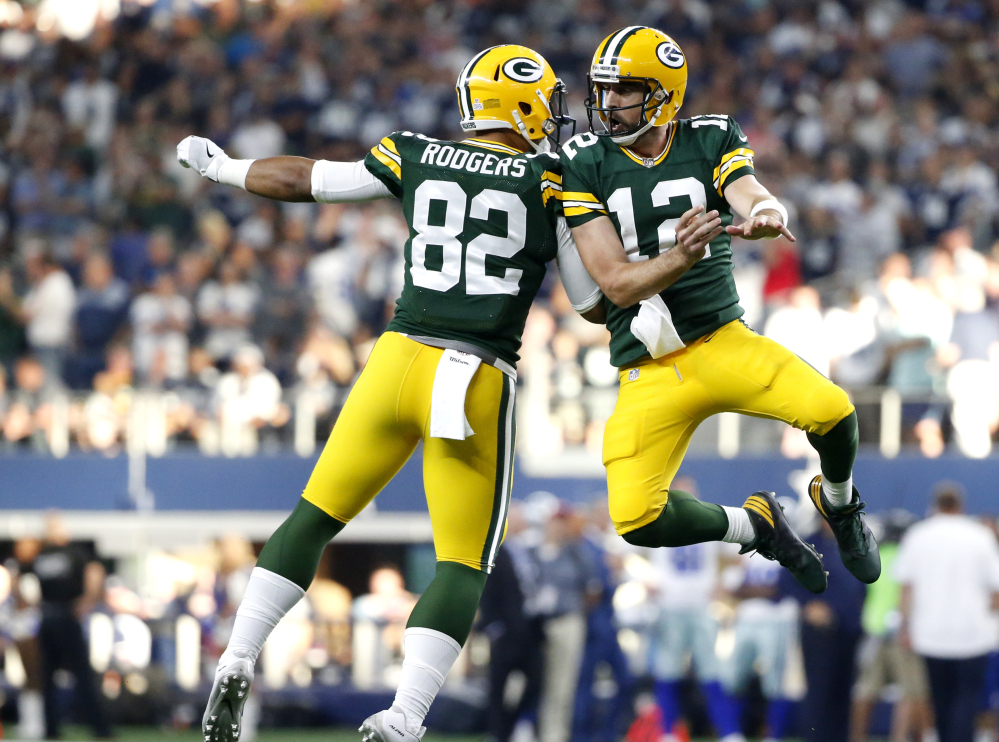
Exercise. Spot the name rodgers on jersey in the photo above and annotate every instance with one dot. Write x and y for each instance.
(473, 162)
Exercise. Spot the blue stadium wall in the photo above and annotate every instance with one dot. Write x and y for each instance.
(194, 482)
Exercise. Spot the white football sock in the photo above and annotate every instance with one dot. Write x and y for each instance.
(839, 495)
(428, 659)
(740, 528)
(268, 597)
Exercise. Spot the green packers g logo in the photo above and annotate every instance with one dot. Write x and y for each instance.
(670, 55)
(523, 69)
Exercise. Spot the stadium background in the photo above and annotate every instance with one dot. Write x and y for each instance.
(173, 352)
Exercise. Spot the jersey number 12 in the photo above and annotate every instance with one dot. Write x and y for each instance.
(621, 204)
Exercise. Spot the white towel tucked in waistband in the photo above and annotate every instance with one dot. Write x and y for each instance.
(447, 405)
(654, 327)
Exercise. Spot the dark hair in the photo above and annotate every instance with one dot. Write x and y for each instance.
(948, 497)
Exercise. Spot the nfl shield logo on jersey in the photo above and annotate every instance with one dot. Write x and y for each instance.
(632, 374)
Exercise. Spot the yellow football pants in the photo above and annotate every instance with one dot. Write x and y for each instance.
(662, 402)
(387, 413)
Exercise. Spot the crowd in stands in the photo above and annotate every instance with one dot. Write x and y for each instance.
(874, 121)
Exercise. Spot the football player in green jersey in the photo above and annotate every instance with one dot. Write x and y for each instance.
(484, 218)
(651, 202)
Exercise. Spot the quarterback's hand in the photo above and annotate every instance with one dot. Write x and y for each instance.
(760, 227)
(203, 155)
(695, 231)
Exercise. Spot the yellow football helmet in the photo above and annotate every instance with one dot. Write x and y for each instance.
(513, 87)
(637, 53)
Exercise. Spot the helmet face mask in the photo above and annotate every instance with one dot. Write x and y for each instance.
(558, 108)
(655, 97)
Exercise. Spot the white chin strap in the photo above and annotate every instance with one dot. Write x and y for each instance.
(543, 146)
(627, 139)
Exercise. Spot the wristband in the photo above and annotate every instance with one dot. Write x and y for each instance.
(774, 205)
(233, 172)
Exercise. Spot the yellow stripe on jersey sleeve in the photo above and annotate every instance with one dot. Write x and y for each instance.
(388, 144)
(551, 186)
(731, 162)
(577, 203)
(581, 210)
(385, 159)
(579, 196)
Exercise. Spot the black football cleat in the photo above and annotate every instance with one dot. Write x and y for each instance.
(776, 540)
(857, 546)
(223, 716)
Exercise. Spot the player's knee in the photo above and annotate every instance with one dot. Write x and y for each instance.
(825, 407)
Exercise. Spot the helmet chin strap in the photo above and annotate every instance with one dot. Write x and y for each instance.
(543, 146)
(629, 139)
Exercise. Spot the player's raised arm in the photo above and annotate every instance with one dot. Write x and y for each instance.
(626, 283)
(766, 217)
(283, 178)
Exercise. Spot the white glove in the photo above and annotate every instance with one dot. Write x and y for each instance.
(203, 155)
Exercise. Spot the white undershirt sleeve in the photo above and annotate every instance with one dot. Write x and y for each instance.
(584, 294)
(345, 182)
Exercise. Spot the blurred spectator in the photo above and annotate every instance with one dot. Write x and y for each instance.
(101, 307)
(948, 567)
(884, 660)
(869, 236)
(29, 413)
(764, 635)
(226, 308)
(515, 633)
(799, 327)
(830, 635)
(283, 311)
(685, 633)
(60, 570)
(48, 311)
(568, 586)
(160, 319)
(602, 650)
(22, 625)
(248, 401)
(973, 382)
(12, 341)
(89, 104)
(380, 620)
(913, 56)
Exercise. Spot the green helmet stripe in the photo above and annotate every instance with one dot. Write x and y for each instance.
(466, 91)
(619, 47)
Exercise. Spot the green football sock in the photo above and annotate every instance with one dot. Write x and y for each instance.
(685, 520)
(297, 545)
(449, 603)
(837, 449)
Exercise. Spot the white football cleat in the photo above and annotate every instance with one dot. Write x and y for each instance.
(389, 726)
(225, 704)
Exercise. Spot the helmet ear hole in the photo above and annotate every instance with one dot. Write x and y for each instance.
(496, 74)
(525, 108)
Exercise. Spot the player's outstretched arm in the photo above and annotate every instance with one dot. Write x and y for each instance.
(626, 283)
(280, 178)
(765, 217)
(283, 178)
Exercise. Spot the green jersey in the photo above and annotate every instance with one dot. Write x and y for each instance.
(645, 199)
(482, 226)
